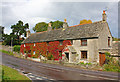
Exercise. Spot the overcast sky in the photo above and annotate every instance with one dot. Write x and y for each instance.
(34, 11)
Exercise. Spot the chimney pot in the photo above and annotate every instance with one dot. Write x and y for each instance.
(49, 27)
(65, 25)
(104, 17)
(65, 20)
(103, 11)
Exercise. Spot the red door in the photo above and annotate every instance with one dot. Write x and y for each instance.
(101, 58)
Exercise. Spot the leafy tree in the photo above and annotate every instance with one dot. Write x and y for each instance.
(42, 26)
(19, 29)
(116, 39)
(85, 21)
(57, 24)
(39, 27)
(1, 32)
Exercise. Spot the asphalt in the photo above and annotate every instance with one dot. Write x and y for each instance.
(57, 72)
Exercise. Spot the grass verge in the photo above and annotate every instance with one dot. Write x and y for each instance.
(9, 74)
(7, 52)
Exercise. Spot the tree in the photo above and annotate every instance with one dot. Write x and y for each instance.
(85, 21)
(39, 27)
(1, 32)
(42, 26)
(57, 24)
(19, 29)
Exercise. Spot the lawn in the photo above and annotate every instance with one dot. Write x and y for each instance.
(9, 74)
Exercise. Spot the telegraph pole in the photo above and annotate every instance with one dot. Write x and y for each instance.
(11, 44)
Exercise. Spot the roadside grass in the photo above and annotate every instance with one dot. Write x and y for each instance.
(9, 74)
(7, 52)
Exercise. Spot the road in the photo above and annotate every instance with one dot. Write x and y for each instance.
(56, 72)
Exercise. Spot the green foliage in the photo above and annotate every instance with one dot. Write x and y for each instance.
(7, 52)
(85, 21)
(57, 24)
(111, 64)
(34, 56)
(16, 48)
(81, 62)
(116, 39)
(50, 56)
(42, 26)
(88, 63)
(39, 27)
(17, 30)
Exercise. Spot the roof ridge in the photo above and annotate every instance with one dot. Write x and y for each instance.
(69, 26)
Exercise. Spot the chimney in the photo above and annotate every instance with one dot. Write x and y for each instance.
(104, 16)
(28, 33)
(65, 25)
(49, 27)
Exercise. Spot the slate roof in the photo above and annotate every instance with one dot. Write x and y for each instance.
(73, 32)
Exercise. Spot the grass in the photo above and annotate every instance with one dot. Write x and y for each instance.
(9, 74)
(7, 52)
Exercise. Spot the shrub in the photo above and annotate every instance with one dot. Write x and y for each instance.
(81, 62)
(111, 64)
(16, 48)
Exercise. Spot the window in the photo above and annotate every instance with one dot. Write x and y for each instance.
(29, 51)
(84, 42)
(60, 53)
(34, 44)
(108, 41)
(73, 52)
(61, 42)
(48, 43)
(84, 54)
(24, 45)
(71, 41)
(47, 52)
(34, 52)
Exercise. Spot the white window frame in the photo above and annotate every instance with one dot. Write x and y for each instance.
(24, 45)
(33, 52)
(34, 44)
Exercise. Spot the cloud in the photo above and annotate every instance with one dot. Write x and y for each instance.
(34, 11)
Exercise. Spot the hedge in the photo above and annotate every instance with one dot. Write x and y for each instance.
(16, 48)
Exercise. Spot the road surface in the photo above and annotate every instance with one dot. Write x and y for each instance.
(56, 72)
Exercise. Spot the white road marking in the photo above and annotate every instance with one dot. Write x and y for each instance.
(39, 78)
(97, 77)
(51, 68)
(31, 76)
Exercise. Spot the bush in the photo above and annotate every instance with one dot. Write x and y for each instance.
(111, 64)
(16, 48)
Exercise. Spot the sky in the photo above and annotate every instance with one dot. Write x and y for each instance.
(35, 11)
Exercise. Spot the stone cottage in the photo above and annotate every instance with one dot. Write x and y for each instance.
(74, 44)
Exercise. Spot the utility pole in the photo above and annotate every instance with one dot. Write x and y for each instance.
(11, 44)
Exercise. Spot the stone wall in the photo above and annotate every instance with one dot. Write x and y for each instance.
(115, 48)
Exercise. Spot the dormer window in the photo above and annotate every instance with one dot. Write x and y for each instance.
(84, 42)
(109, 41)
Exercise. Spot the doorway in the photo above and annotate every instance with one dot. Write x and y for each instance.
(101, 58)
(67, 55)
